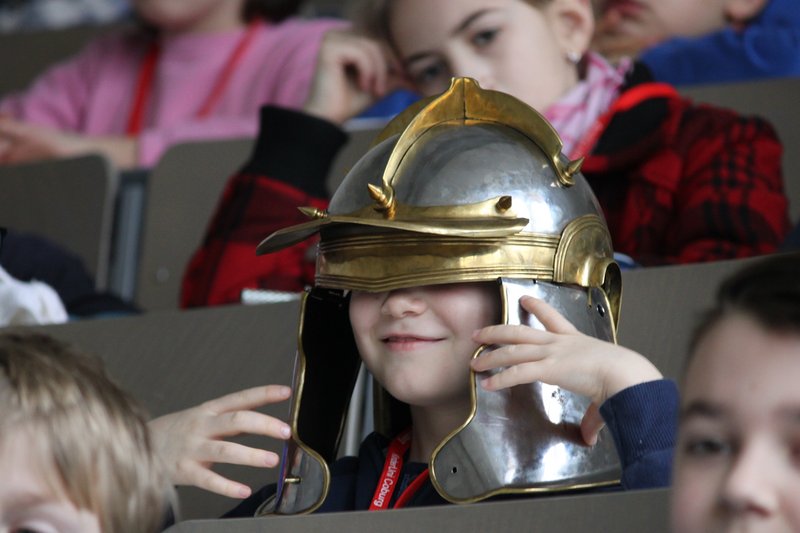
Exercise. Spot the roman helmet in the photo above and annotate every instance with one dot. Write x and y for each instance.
(467, 186)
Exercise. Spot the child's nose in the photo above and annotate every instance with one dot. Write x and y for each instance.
(403, 302)
(751, 485)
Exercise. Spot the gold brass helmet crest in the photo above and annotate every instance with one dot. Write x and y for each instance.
(507, 203)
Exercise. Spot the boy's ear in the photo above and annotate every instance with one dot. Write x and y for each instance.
(574, 24)
(741, 11)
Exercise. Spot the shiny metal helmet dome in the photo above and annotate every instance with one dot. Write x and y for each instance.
(467, 186)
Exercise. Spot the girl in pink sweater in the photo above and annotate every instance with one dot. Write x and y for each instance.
(203, 72)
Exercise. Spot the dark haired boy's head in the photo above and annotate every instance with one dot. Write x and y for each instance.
(736, 461)
(767, 292)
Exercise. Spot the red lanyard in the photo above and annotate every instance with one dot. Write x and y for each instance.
(144, 85)
(626, 101)
(391, 471)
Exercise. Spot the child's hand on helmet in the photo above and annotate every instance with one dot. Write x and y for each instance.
(560, 356)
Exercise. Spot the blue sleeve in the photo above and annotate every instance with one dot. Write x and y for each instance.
(727, 56)
(643, 422)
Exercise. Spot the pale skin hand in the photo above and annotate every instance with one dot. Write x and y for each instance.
(352, 73)
(190, 442)
(561, 356)
(22, 142)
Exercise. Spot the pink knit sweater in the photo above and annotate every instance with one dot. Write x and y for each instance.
(93, 92)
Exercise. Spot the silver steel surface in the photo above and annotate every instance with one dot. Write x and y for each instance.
(527, 438)
(464, 165)
(303, 481)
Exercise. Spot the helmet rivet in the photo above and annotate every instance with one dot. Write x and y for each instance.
(503, 204)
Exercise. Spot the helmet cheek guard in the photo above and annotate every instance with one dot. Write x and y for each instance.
(470, 186)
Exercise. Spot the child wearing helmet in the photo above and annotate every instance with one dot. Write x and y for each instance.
(448, 260)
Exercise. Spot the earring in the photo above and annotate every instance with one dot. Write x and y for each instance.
(574, 57)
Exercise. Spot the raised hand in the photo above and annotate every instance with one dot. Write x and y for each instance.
(352, 73)
(560, 356)
(190, 442)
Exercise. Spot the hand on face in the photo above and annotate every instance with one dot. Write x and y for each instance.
(560, 356)
(22, 142)
(352, 73)
(189, 442)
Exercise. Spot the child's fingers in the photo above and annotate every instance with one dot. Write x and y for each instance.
(248, 422)
(591, 424)
(506, 356)
(511, 334)
(551, 319)
(511, 376)
(6, 148)
(17, 131)
(249, 398)
(221, 451)
(359, 56)
(379, 66)
(358, 61)
(204, 478)
(397, 78)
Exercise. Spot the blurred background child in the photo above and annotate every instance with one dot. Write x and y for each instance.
(75, 452)
(196, 69)
(736, 456)
(685, 42)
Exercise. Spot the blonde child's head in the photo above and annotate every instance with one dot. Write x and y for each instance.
(76, 443)
(737, 454)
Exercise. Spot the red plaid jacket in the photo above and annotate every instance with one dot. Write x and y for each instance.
(677, 182)
(681, 183)
(287, 170)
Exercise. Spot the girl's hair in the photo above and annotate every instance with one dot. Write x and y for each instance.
(767, 291)
(272, 10)
(371, 17)
(89, 435)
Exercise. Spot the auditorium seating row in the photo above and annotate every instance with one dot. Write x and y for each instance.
(172, 359)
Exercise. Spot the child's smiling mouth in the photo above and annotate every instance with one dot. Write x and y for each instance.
(408, 342)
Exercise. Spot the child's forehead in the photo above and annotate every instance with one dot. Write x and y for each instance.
(738, 362)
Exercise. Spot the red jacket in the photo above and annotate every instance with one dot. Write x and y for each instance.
(682, 183)
(287, 170)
